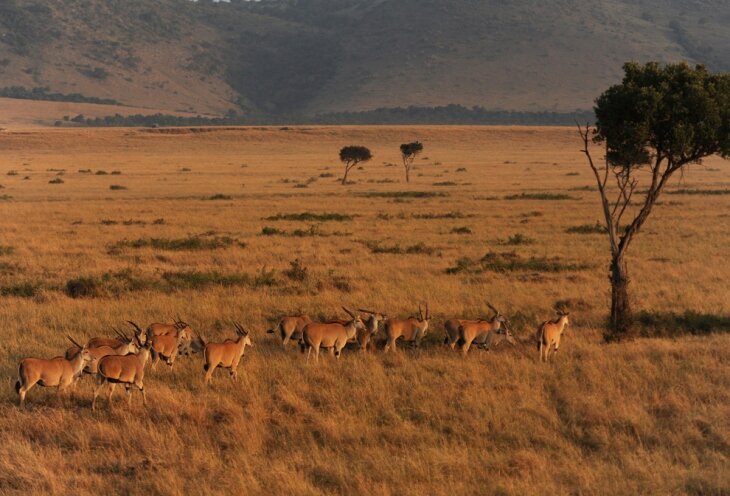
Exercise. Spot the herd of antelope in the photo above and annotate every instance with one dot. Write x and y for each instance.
(122, 359)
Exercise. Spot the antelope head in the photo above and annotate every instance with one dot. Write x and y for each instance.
(375, 317)
(138, 333)
(508, 336)
(83, 351)
(357, 321)
(244, 335)
(498, 317)
(564, 317)
(132, 346)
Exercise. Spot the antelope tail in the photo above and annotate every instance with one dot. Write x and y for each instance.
(540, 335)
(302, 345)
(17, 387)
(206, 367)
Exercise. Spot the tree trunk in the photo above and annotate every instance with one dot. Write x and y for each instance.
(621, 320)
(408, 175)
(344, 179)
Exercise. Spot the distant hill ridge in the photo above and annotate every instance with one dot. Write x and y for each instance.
(299, 58)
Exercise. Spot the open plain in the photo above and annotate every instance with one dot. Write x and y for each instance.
(103, 226)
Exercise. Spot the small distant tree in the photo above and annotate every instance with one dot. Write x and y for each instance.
(353, 155)
(653, 124)
(409, 151)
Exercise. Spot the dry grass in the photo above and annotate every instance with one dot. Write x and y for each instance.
(645, 417)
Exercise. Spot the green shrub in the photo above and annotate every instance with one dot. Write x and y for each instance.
(82, 287)
(312, 217)
(540, 196)
(596, 228)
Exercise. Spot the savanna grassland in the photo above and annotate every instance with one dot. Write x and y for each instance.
(103, 226)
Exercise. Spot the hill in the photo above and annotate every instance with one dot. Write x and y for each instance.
(293, 58)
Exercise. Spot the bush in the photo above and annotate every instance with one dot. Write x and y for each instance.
(198, 280)
(271, 231)
(312, 217)
(21, 290)
(518, 239)
(220, 196)
(296, 271)
(596, 228)
(461, 230)
(540, 196)
(403, 194)
(117, 187)
(180, 244)
(82, 287)
(56, 180)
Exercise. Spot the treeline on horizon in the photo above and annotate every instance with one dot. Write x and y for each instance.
(42, 93)
(449, 115)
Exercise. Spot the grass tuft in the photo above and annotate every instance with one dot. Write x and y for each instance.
(541, 196)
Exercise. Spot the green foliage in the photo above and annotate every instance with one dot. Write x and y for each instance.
(192, 243)
(403, 194)
(82, 287)
(355, 154)
(596, 228)
(513, 262)
(21, 290)
(297, 271)
(410, 150)
(540, 196)
(706, 192)
(518, 239)
(43, 93)
(198, 279)
(312, 217)
(675, 112)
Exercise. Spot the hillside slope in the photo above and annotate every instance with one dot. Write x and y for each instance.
(290, 57)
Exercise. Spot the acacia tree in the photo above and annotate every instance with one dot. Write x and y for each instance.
(656, 122)
(409, 151)
(353, 155)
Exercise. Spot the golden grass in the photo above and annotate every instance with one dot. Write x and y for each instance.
(643, 417)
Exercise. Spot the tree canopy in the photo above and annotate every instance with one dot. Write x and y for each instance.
(659, 119)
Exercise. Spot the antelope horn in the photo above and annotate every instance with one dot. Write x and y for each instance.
(135, 326)
(420, 312)
(74, 342)
(349, 312)
(493, 309)
(119, 333)
(243, 331)
(428, 312)
(367, 311)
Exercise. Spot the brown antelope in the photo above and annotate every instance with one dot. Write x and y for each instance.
(289, 328)
(167, 346)
(127, 370)
(226, 354)
(372, 323)
(452, 327)
(158, 329)
(57, 372)
(470, 331)
(99, 352)
(412, 329)
(549, 333)
(316, 335)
